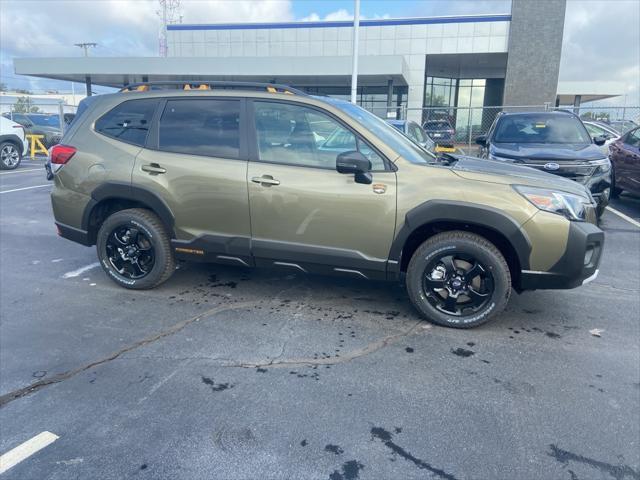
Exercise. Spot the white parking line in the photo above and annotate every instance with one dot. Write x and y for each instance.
(25, 450)
(81, 270)
(26, 188)
(633, 222)
(24, 171)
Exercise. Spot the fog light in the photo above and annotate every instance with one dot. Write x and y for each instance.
(588, 255)
(606, 193)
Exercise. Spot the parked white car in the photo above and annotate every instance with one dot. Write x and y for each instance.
(13, 144)
(597, 129)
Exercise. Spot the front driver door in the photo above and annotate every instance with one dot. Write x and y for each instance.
(304, 214)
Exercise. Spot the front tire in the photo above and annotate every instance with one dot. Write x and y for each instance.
(10, 156)
(134, 249)
(458, 279)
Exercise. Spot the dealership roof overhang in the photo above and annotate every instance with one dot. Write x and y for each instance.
(569, 92)
(116, 72)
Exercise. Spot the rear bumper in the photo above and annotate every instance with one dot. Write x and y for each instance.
(74, 234)
(578, 266)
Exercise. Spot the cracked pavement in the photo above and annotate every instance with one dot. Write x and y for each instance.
(242, 374)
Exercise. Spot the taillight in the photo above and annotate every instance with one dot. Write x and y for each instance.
(61, 154)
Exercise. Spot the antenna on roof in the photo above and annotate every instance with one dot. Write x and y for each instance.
(86, 46)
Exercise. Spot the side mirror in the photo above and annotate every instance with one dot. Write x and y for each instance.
(600, 140)
(482, 140)
(355, 163)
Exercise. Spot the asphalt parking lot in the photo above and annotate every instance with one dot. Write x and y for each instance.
(254, 374)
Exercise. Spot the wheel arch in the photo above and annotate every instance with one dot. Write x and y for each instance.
(435, 216)
(111, 197)
(14, 139)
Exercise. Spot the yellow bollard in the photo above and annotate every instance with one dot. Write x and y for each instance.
(36, 145)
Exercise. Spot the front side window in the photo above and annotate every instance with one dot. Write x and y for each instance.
(541, 128)
(129, 121)
(633, 138)
(302, 136)
(206, 127)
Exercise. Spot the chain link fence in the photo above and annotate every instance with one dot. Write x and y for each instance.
(460, 126)
(44, 121)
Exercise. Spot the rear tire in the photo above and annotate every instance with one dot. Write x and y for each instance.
(10, 156)
(134, 249)
(458, 279)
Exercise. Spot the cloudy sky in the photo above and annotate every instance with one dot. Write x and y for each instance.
(601, 37)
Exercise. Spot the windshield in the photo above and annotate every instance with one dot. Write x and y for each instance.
(45, 120)
(385, 132)
(541, 128)
(437, 125)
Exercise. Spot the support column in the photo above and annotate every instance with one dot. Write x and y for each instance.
(87, 82)
(577, 100)
(389, 98)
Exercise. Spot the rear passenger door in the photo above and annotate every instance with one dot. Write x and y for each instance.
(196, 162)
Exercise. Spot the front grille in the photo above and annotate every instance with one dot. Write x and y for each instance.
(577, 172)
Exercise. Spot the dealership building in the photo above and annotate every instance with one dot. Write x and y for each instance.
(405, 64)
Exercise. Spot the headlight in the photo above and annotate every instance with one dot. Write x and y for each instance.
(603, 165)
(563, 203)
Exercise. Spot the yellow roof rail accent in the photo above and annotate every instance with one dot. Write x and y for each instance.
(271, 90)
(288, 92)
(186, 87)
(204, 87)
(142, 88)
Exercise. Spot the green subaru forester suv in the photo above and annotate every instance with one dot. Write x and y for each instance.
(265, 175)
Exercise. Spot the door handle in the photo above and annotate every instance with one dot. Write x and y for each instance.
(265, 180)
(153, 168)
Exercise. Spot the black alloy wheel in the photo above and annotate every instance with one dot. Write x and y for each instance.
(130, 252)
(457, 284)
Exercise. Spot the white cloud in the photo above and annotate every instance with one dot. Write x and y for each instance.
(601, 43)
(49, 28)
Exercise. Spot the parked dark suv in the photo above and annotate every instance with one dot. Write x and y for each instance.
(39, 124)
(555, 142)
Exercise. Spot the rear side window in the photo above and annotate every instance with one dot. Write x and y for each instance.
(130, 121)
(207, 127)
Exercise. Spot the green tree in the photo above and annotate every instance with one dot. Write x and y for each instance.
(25, 105)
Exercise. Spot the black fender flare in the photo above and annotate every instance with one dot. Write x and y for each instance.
(483, 216)
(126, 191)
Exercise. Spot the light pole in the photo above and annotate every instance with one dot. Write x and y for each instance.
(354, 67)
(85, 46)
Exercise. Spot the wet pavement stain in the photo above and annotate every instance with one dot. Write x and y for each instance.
(216, 387)
(303, 443)
(552, 335)
(618, 472)
(409, 350)
(386, 438)
(350, 471)
(335, 449)
(462, 352)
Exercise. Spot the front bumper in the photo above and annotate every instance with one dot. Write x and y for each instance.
(578, 265)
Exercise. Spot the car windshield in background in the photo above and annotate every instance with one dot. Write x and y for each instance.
(388, 134)
(45, 120)
(541, 128)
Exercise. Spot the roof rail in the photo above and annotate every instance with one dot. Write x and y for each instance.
(211, 85)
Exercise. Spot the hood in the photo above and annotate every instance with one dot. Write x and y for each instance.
(511, 173)
(547, 151)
